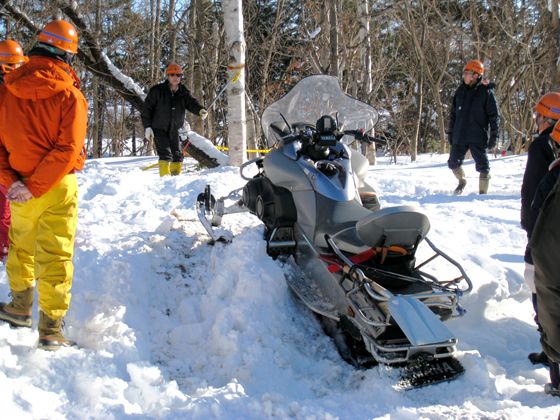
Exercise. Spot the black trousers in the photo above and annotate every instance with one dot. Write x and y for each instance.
(168, 145)
(554, 374)
(458, 152)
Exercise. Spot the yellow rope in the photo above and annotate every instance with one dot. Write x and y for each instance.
(248, 151)
(151, 166)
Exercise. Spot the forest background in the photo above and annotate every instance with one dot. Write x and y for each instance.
(405, 58)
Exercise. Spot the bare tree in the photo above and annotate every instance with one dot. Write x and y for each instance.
(235, 41)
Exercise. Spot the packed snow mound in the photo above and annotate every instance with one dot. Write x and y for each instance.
(171, 327)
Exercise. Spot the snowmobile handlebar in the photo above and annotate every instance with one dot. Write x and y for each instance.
(364, 138)
(309, 135)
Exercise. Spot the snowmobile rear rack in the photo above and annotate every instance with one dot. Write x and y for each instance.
(411, 313)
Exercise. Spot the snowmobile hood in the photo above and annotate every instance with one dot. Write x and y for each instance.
(41, 78)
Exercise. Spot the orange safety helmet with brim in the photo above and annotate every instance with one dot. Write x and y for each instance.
(555, 134)
(173, 68)
(11, 54)
(60, 34)
(475, 66)
(549, 105)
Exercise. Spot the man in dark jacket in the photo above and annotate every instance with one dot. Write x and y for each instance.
(163, 115)
(541, 154)
(474, 112)
(545, 243)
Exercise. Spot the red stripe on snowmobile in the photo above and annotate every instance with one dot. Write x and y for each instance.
(358, 258)
(336, 266)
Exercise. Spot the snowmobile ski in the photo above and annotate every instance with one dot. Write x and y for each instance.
(205, 205)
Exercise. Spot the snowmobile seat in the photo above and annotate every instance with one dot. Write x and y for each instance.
(402, 226)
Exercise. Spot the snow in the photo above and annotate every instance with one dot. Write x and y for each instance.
(171, 327)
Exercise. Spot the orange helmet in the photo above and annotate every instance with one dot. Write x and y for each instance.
(555, 135)
(549, 105)
(173, 68)
(11, 53)
(475, 66)
(60, 34)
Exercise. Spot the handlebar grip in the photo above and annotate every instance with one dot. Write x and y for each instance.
(376, 140)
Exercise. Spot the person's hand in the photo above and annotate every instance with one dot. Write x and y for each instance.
(450, 138)
(19, 193)
(492, 142)
(149, 134)
(203, 114)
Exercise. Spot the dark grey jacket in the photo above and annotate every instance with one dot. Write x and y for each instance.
(545, 243)
(474, 116)
(540, 155)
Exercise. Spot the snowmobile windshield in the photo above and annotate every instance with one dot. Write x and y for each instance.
(310, 99)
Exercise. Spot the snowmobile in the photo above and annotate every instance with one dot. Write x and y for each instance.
(355, 267)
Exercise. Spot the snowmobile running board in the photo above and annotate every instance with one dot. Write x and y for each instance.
(310, 296)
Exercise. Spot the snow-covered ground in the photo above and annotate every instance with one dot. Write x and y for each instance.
(172, 327)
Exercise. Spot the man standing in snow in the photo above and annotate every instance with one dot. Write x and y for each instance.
(545, 243)
(163, 114)
(11, 57)
(43, 119)
(541, 154)
(473, 112)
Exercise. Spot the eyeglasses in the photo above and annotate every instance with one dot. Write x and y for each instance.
(175, 75)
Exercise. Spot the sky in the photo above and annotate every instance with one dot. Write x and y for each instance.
(170, 326)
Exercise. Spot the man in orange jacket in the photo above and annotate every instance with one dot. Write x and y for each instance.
(11, 57)
(43, 120)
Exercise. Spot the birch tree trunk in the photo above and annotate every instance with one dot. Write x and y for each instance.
(235, 43)
(364, 39)
(333, 31)
(153, 18)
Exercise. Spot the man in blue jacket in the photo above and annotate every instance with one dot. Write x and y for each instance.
(473, 125)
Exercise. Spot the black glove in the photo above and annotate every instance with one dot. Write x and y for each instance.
(450, 138)
(492, 142)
